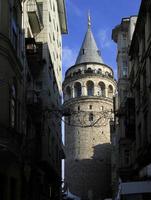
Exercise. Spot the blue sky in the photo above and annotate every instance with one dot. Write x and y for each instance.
(105, 15)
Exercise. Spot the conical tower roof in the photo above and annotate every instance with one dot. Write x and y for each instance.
(89, 51)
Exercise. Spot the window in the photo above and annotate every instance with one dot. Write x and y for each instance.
(110, 91)
(77, 89)
(102, 108)
(13, 106)
(40, 8)
(91, 117)
(101, 91)
(90, 107)
(98, 51)
(90, 88)
(68, 92)
(78, 108)
(54, 7)
(99, 71)
(49, 17)
(124, 40)
(124, 69)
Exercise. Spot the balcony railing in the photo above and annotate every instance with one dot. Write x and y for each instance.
(34, 56)
(35, 17)
(83, 73)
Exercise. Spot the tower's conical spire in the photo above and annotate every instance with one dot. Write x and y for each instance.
(89, 51)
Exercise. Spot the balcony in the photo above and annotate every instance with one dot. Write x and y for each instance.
(35, 17)
(34, 56)
(10, 143)
(84, 73)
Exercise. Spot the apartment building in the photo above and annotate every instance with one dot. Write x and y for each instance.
(133, 112)
(12, 118)
(44, 22)
(30, 98)
(122, 35)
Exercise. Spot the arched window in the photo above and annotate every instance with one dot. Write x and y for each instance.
(110, 91)
(101, 91)
(13, 104)
(68, 92)
(99, 71)
(106, 73)
(90, 107)
(91, 117)
(90, 88)
(77, 89)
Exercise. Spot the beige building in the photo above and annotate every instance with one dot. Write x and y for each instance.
(88, 88)
(44, 22)
(122, 35)
(30, 98)
(134, 134)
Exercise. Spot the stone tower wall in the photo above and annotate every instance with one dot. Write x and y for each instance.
(87, 137)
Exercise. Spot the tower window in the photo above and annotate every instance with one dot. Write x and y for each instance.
(90, 107)
(91, 117)
(82, 51)
(78, 108)
(90, 88)
(77, 89)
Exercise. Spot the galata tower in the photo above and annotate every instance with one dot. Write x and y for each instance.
(88, 90)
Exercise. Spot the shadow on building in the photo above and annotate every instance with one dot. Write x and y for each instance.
(91, 178)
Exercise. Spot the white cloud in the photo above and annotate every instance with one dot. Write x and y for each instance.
(69, 57)
(104, 38)
(74, 8)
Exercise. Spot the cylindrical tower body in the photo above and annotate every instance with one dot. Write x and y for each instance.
(88, 89)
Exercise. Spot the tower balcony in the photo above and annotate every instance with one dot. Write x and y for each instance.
(84, 73)
(10, 143)
(35, 17)
(34, 56)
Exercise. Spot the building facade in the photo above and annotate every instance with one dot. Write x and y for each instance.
(12, 120)
(88, 89)
(122, 35)
(135, 112)
(30, 98)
